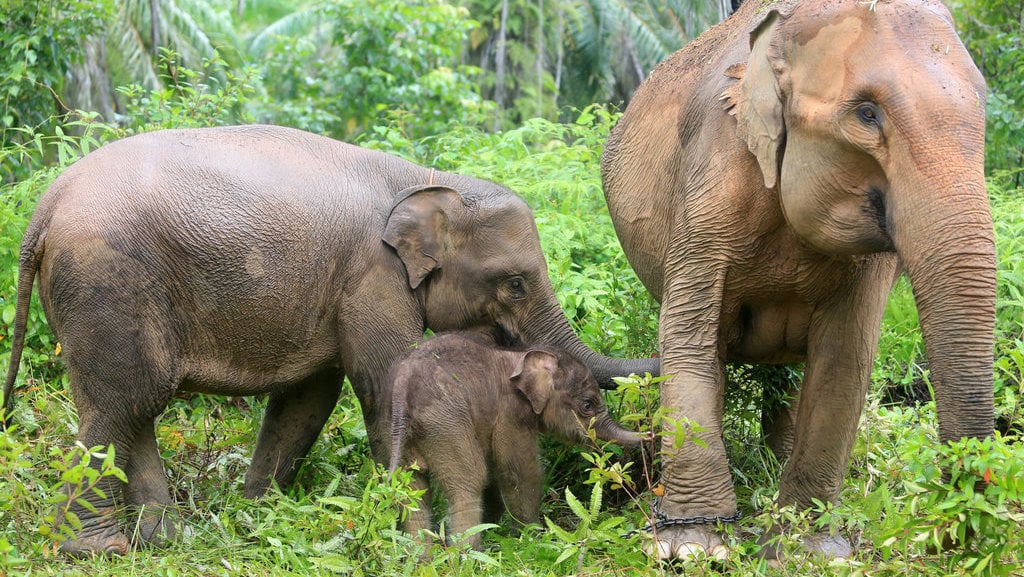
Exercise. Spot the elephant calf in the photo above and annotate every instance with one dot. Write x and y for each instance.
(468, 414)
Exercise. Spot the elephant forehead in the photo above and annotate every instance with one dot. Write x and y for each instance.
(818, 67)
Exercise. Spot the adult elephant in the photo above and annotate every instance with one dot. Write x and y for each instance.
(259, 259)
(768, 183)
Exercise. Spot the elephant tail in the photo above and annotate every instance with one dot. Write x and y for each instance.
(31, 255)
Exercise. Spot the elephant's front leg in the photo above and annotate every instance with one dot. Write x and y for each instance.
(292, 422)
(842, 339)
(696, 478)
(518, 473)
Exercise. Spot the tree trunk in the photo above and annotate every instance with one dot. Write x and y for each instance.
(154, 26)
(540, 58)
(499, 66)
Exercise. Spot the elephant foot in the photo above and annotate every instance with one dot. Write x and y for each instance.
(106, 541)
(688, 542)
(823, 544)
(155, 526)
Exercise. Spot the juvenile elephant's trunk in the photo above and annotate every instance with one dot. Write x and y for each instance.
(608, 429)
(553, 328)
(945, 240)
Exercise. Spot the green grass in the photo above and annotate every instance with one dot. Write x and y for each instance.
(339, 517)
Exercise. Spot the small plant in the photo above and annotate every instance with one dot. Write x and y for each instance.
(969, 510)
(590, 531)
(78, 478)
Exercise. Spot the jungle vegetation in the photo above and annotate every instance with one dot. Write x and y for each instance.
(522, 92)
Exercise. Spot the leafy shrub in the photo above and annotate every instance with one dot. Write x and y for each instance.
(971, 509)
(386, 59)
(212, 96)
(993, 32)
(38, 43)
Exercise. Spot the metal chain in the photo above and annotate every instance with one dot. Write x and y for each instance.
(663, 521)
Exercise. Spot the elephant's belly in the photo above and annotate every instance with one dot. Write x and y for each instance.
(768, 333)
(222, 375)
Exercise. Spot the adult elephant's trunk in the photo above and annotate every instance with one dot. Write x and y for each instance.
(549, 325)
(944, 237)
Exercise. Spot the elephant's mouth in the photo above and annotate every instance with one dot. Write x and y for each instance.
(503, 337)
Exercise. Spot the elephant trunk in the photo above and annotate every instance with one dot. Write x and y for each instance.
(607, 429)
(551, 327)
(945, 240)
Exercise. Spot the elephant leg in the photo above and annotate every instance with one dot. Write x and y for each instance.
(519, 477)
(458, 466)
(841, 346)
(99, 532)
(292, 422)
(696, 479)
(117, 400)
(419, 519)
(147, 491)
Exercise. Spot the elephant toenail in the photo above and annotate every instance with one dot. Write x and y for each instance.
(687, 551)
(664, 550)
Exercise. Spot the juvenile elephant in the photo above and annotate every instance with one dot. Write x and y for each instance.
(264, 260)
(468, 414)
(769, 182)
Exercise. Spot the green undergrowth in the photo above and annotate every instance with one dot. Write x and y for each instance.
(340, 516)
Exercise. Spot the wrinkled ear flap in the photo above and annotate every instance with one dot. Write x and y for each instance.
(535, 377)
(757, 100)
(418, 228)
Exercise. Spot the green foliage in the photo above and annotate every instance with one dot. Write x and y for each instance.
(384, 59)
(38, 42)
(971, 510)
(211, 96)
(590, 531)
(78, 480)
(993, 31)
(14, 495)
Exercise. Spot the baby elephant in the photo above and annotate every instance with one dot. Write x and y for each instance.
(468, 414)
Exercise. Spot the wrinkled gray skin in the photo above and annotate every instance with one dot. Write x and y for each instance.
(264, 260)
(468, 414)
(768, 183)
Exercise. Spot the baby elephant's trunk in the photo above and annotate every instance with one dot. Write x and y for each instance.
(609, 430)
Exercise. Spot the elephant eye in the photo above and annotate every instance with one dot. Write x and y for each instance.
(868, 114)
(517, 286)
(588, 407)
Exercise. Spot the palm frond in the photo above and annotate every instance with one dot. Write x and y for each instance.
(299, 23)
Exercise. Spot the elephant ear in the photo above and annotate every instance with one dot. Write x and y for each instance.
(418, 228)
(756, 100)
(534, 376)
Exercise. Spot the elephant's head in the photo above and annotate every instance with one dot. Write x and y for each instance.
(474, 261)
(869, 120)
(566, 398)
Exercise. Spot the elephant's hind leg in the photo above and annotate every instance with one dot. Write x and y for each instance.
(147, 492)
(293, 421)
(120, 426)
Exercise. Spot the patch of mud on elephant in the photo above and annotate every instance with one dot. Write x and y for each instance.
(263, 260)
(468, 414)
(769, 182)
